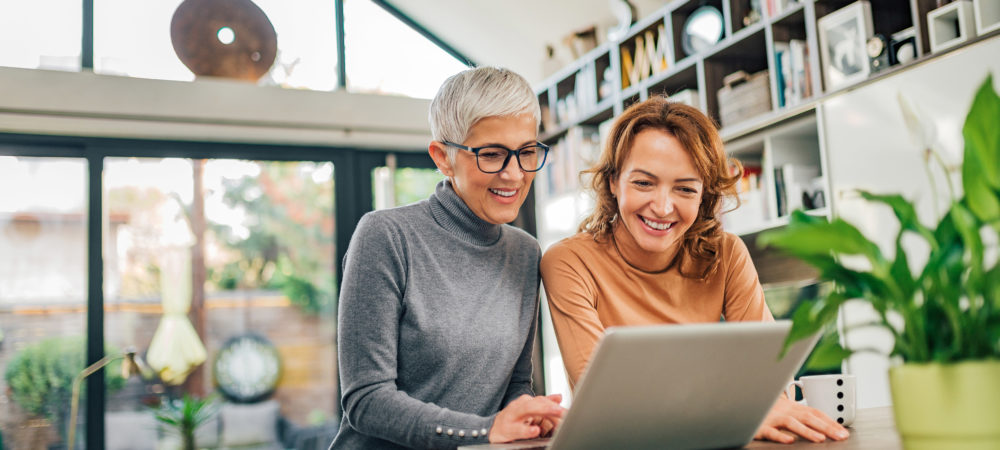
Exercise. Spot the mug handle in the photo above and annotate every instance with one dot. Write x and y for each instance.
(790, 391)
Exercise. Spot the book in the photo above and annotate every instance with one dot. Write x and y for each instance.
(797, 57)
(797, 182)
(782, 71)
(779, 191)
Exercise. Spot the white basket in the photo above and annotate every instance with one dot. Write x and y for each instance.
(744, 96)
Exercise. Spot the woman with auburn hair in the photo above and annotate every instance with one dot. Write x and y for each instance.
(654, 251)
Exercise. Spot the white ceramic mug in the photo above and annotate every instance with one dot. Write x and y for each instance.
(832, 394)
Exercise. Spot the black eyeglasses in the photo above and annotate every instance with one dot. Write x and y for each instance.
(494, 158)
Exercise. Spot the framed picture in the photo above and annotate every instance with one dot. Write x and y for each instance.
(842, 38)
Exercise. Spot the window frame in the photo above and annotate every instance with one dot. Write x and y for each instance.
(352, 199)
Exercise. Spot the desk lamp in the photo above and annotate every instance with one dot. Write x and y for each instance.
(130, 367)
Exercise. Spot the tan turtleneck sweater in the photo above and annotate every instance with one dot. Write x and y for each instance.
(590, 287)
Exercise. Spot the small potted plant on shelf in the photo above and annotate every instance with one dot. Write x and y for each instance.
(945, 318)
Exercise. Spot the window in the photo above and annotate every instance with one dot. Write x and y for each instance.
(41, 34)
(266, 269)
(385, 56)
(43, 295)
(133, 39)
(402, 186)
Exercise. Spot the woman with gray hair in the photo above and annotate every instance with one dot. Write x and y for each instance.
(439, 298)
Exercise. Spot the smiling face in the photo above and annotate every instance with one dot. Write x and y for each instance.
(494, 197)
(658, 192)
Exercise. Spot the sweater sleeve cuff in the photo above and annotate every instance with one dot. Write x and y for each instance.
(447, 434)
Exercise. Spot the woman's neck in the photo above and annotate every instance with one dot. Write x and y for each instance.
(635, 256)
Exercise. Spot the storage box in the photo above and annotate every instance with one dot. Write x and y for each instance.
(987, 13)
(950, 25)
(688, 97)
(744, 96)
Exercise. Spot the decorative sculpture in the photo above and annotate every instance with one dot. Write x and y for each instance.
(197, 29)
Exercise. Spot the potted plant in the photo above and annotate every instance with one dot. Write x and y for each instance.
(184, 416)
(40, 377)
(945, 318)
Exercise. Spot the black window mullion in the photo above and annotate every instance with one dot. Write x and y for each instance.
(87, 41)
(95, 302)
(341, 58)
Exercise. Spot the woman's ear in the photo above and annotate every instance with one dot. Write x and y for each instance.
(440, 157)
(613, 185)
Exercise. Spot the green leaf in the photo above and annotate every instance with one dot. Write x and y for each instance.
(905, 212)
(982, 200)
(806, 236)
(982, 135)
(810, 317)
(968, 228)
(981, 168)
(900, 271)
(828, 353)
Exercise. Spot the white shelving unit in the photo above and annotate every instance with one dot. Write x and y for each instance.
(790, 134)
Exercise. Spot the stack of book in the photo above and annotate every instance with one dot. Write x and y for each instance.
(752, 211)
(575, 152)
(794, 77)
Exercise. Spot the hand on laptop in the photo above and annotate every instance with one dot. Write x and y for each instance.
(527, 417)
(788, 418)
(549, 424)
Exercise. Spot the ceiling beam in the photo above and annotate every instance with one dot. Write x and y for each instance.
(402, 17)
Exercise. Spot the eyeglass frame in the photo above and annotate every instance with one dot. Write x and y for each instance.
(516, 153)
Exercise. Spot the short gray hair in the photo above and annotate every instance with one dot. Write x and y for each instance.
(475, 94)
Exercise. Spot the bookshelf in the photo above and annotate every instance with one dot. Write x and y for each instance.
(783, 142)
(778, 46)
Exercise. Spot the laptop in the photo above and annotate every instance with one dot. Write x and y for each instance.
(677, 386)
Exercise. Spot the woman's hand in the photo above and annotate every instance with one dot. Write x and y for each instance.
(527, 417)
(549, 425)
(788, 419)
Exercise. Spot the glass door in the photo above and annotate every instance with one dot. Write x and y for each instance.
(43, 295)
(221, 273)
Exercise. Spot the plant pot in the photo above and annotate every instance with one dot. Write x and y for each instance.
(953, 406)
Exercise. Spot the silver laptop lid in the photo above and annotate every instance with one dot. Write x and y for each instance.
(680, 386)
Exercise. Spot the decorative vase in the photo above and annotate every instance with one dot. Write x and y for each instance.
(947, 406)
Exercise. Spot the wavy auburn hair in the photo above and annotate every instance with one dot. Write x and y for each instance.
(699, 135)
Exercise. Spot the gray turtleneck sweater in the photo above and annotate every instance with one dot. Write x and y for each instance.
(436, 320)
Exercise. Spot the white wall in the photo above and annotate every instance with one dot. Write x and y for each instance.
(214, 110)
(870, 147)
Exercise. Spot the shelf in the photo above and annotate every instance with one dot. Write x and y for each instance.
(604, 111)
(739, 11)
(793, 13)
(632, 99)
(824, 7)
(773, 139)
(736, 38)
(749, 55)
(675, 82)
(774, 223)
(790, 25)
(556, 133)
(632, 91)
(592, 116)
(765, 121)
